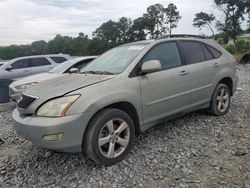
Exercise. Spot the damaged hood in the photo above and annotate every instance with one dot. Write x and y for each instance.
(64, 84)
(34, 78)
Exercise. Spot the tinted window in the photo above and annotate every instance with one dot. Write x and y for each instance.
(83, 63)
(58, 59)
(207, 53)
(39, 62)
(20, 64)
(215, 52)
(167, 53)
(193, 52)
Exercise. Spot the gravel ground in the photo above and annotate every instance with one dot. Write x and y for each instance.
(195, 150)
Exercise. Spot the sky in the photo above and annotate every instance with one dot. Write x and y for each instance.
(25, 21)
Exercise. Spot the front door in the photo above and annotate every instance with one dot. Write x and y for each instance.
(19, 69)
(166, 92)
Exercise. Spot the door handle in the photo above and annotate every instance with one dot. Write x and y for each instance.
(183, 73)
(26, 71)
(216, 65)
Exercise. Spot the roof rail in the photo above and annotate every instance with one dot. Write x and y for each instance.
(182, 36)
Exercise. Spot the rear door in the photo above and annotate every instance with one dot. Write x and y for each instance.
(203, 70)
(165, 92)
(40, 64)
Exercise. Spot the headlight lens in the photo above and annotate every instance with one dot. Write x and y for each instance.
(57, 107)
(25, 86)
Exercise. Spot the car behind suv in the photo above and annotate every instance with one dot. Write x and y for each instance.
(25, 66)
(126, 90)
(70, 66)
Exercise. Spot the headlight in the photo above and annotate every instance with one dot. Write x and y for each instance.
(57, 107)
(25, 86)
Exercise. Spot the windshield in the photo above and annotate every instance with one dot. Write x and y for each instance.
(63, 66)
(114, 61)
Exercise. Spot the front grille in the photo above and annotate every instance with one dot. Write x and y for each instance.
(11, 91)
(26, 101)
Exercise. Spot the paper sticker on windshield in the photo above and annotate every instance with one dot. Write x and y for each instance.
(136, 47)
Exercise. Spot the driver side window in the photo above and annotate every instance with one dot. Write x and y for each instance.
(167, 53)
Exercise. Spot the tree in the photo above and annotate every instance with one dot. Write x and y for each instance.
(205, 20)
(79, 45)
(234, 14)
(39, 47)
(60, 44)
(172, 16)
(108, 32)
(154, 20)
(138, 30)
(124, 26)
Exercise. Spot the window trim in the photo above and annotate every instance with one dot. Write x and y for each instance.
(136, 70)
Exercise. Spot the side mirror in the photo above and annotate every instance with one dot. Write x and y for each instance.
(9, 68)
(73, 70)
(151, 66)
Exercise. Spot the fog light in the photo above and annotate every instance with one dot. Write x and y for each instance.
(53, 137)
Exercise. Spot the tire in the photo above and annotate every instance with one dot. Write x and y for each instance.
(220, 103)
(105, 145)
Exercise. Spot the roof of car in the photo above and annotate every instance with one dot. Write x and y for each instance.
(45, 55)
(169, 37)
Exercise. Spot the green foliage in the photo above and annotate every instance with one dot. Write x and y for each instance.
(172, 16)
(154, 20)
(205, 20)
(234, 11)
(231, 48)
(240, 47)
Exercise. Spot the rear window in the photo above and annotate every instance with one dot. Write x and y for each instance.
(58, 59)
(207, 53)
(193, 51)
(216, 53)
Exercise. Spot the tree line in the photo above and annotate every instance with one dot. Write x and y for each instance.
(154, 23)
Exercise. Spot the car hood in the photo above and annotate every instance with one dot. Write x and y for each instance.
(35, 78)
(63, 84)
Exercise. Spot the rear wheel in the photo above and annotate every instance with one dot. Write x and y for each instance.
(109, 136)
(221, 100)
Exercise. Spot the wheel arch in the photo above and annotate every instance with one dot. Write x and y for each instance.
(229, 82)
(125, 106)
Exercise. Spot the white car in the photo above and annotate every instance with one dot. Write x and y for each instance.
(70, 66)
(25, 66)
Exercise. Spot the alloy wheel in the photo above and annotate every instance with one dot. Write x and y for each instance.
(114, 138)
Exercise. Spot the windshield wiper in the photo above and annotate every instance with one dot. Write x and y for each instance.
(89, 72)
(98, 72)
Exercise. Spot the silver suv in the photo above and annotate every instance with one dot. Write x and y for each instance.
(125, 91)
(25, 66)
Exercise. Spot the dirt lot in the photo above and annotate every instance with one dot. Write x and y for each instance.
(195, 150)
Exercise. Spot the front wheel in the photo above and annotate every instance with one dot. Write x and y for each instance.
(109, 136)
(221, 100)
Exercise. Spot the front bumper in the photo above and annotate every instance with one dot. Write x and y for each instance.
(33, 128)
